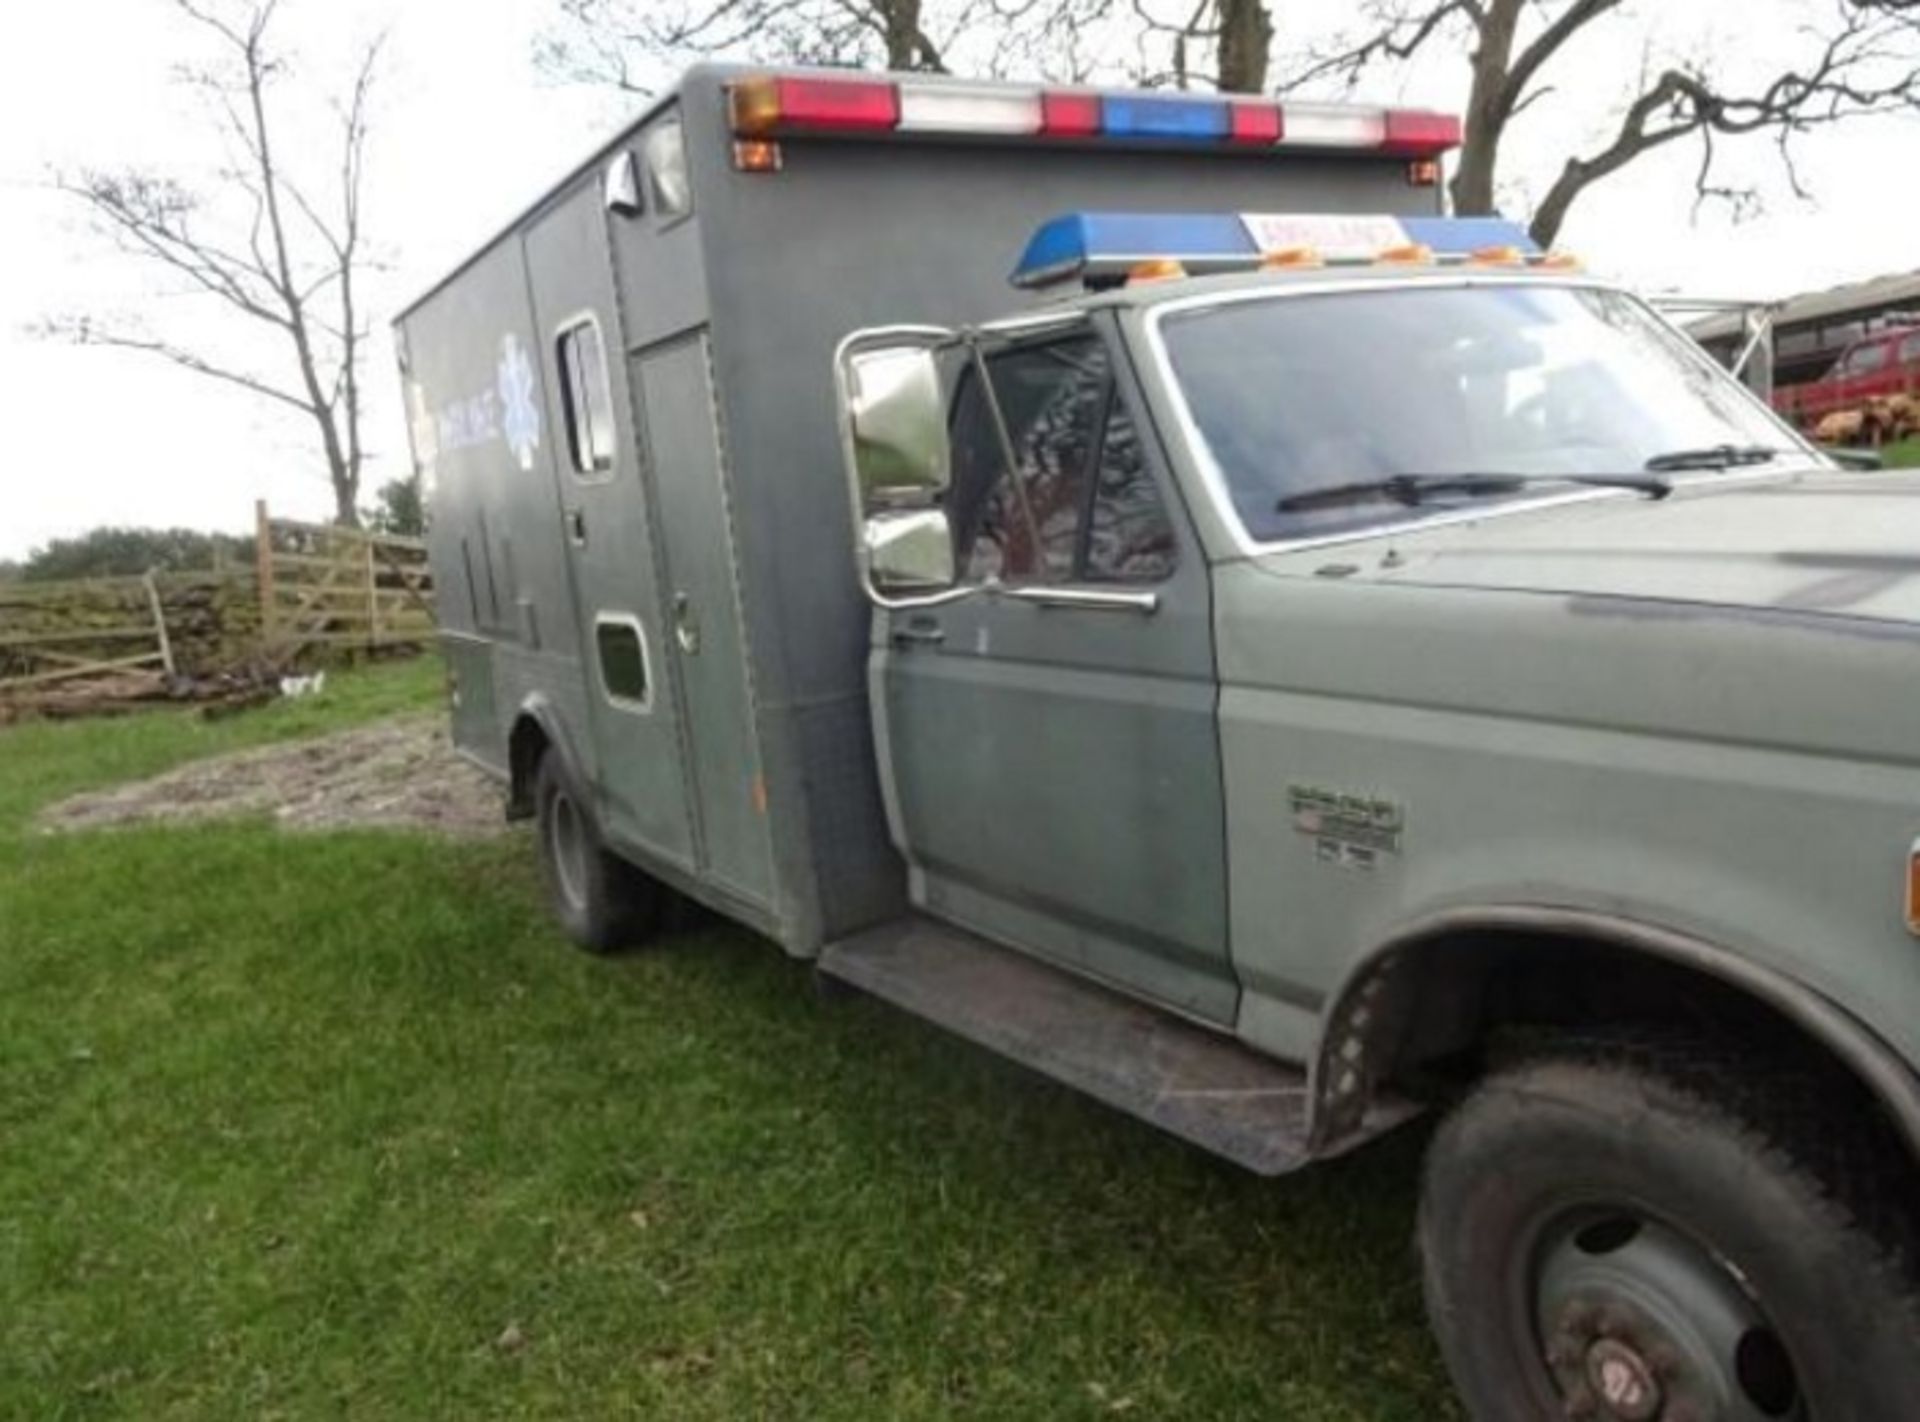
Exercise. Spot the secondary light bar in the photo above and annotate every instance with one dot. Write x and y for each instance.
(1105, 247)
(770, 106)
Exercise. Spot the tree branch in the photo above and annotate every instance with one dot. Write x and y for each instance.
(285, 246)
(1401, 36)
(80, 331)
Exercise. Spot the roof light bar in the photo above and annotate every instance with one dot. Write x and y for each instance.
(773, 105)
(1105, 247)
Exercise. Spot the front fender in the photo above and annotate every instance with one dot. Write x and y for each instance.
(1370, 1011)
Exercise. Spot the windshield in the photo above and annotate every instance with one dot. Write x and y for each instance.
(1297, 393)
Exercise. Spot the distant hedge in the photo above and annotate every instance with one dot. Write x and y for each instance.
(123, 552)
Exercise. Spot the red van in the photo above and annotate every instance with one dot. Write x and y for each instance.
(1885, 363)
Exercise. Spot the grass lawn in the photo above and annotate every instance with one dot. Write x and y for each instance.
(1904, 455)
(337, 1126)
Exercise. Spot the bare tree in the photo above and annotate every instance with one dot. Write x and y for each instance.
(280, 254)
(1862, 58)
(612, 41)
(1220, 44)
(629, 44)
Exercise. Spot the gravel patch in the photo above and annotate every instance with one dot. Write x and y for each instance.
(400, 773)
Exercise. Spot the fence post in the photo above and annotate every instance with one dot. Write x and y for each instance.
(373, 597)
(263, 568)
(159, 623)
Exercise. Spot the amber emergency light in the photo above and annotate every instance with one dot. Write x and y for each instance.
(1155, 269)
(1913, 889)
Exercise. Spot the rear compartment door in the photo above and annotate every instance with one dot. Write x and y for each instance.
(642, 788)
(674, 380)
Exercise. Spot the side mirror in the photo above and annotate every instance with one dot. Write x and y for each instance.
(909, 551)
(898, 422)
(893, 421)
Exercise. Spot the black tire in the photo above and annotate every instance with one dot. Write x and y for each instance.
(602, 902)
(1659, 1230)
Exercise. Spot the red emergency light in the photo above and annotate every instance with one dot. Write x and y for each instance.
(1069, 115)
(769, 106)
(1254, 124)
(1414, 133)
(762, 107)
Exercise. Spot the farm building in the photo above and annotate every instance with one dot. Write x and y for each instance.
(1811, 330)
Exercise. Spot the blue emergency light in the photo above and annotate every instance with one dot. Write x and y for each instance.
(1098, 247)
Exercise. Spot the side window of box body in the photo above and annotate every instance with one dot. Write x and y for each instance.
(668, 177)
(626, 671)
(586, 395)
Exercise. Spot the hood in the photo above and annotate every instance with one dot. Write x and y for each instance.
(1782, 611)
(1815, 543)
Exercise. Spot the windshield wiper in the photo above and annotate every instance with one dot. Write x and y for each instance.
(1713, 456)
(1413, 490)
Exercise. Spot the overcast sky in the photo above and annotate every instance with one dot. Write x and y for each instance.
(467, 132)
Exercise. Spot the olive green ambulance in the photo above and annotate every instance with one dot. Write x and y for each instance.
(1123, 577)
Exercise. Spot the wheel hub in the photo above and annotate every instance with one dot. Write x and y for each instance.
(1638, 1323)
(1620, 1378)
(568, 844)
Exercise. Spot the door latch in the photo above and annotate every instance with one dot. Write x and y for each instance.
(921, 630)
(577, 527)
(686, 624)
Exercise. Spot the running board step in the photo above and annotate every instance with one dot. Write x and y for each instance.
(1191, 1082)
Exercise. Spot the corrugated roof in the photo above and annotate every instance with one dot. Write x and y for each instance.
(1844, 300)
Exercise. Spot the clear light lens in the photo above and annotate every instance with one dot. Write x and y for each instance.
(960, 108)
(1333, 126)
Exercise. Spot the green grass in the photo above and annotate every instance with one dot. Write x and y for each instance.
(299, 1126)
(1904, 455)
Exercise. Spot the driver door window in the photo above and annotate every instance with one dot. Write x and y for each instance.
(1080, 504)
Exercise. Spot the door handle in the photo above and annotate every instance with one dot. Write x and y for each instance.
(686, 624)
(922, 631)
(577, 527)
(1091, 599)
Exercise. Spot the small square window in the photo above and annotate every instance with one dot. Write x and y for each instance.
(589, 401)
(668, 181)
(623, 660)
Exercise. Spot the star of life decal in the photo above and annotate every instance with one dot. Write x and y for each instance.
(519, 407)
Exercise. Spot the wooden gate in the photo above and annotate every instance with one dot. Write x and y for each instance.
(326, 586)
(80, 630)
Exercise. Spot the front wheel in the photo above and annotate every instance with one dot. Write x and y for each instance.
(1665, 1231)
(602, 902)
